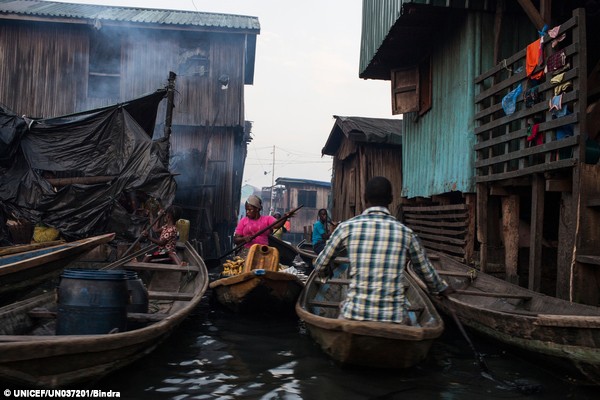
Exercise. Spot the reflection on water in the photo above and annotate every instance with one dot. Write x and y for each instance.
(218, 355)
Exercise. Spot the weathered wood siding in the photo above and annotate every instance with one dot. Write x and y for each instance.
(353, 165)
(44, 73)
(49, 62)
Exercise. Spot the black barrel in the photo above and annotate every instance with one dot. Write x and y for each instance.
(138, 294)
(92, 302)
(138, 299)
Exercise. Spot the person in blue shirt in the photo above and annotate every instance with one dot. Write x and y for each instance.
(321, 231)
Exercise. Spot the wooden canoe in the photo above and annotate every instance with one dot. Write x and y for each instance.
(259, 292)
(44, 359)
(25, 270)
(556, 329)
(261, 287)
(306, 253)
(287, 252)
(366, 343)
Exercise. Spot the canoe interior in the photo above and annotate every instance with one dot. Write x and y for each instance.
(562, 332)
(32, 354)
(22, 271)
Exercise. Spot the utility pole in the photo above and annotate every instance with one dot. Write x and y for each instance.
(273, 184)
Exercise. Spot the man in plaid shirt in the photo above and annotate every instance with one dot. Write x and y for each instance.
(377, 245)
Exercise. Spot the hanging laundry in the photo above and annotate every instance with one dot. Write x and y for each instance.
(553, 33)
(533, 133)
(560, 86)
(535, 53)
(556, 61)
(555, 104)
(509, 102)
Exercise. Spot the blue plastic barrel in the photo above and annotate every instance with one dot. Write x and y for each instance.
(92, 302)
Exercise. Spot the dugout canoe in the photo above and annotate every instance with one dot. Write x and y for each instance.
(24, 270)
(560, 331)
(287, 252)
(261, 288)
(306, 252)
(31, 354)
(366, 343)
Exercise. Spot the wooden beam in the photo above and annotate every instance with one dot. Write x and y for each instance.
(498, 28)
(537, 227)
(496, 190)
(510, 232)
(482, 231)
(532, 13)
(491, 294)
(546, 11)
(559, 185)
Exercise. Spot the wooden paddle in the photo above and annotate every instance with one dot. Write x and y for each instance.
(290, 214)
(140, 237)
(487, 373)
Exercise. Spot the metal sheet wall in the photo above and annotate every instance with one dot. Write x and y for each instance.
(438, 152)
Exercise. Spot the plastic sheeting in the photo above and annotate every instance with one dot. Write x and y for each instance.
(110, 142)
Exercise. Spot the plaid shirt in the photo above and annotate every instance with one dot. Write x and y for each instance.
(377, 244)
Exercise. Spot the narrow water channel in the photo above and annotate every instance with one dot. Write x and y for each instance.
(218, 355)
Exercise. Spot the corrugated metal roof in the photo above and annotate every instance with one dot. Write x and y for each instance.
(395, 33)
(127, 14)
(297, 181)
(363, 129)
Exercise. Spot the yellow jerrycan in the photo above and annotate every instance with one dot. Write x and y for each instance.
(183, 227)
(262, 256)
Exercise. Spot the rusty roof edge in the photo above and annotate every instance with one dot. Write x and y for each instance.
(42, 10)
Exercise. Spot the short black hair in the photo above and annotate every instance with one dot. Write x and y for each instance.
(175, 211)
(379, 191)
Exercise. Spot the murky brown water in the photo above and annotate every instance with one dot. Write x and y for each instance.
(217, 355)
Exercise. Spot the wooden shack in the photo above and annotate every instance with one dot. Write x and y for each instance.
(291, 193)
(528, 174)
(363, 148)
(63, 58)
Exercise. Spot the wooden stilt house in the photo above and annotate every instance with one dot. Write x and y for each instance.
(496, 121)
(60, 58)
(363, 148)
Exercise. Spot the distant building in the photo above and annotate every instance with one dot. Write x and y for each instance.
(291, 193)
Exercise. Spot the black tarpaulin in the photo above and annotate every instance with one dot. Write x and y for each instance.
(112, 142)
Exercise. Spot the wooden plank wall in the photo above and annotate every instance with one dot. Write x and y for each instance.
(445, 228)
(350, 176)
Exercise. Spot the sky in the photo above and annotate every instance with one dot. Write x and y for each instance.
(306, 71)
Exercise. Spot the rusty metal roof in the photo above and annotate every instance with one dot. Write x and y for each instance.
(363, 129)
(54, 10)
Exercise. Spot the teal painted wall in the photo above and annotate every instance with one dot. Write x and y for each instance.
(438, 152)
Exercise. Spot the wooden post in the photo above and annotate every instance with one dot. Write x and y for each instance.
(170, 106)
(510, 233)
(537, 228)
(482, 231)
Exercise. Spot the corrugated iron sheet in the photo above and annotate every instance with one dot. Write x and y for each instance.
(127, 14)
(378, 17)
(438, 152)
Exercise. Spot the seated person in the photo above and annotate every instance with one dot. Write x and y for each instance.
(167, 240)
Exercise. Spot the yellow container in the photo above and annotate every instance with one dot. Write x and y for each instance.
(261, 256)
(183, 227)
(45, 234)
